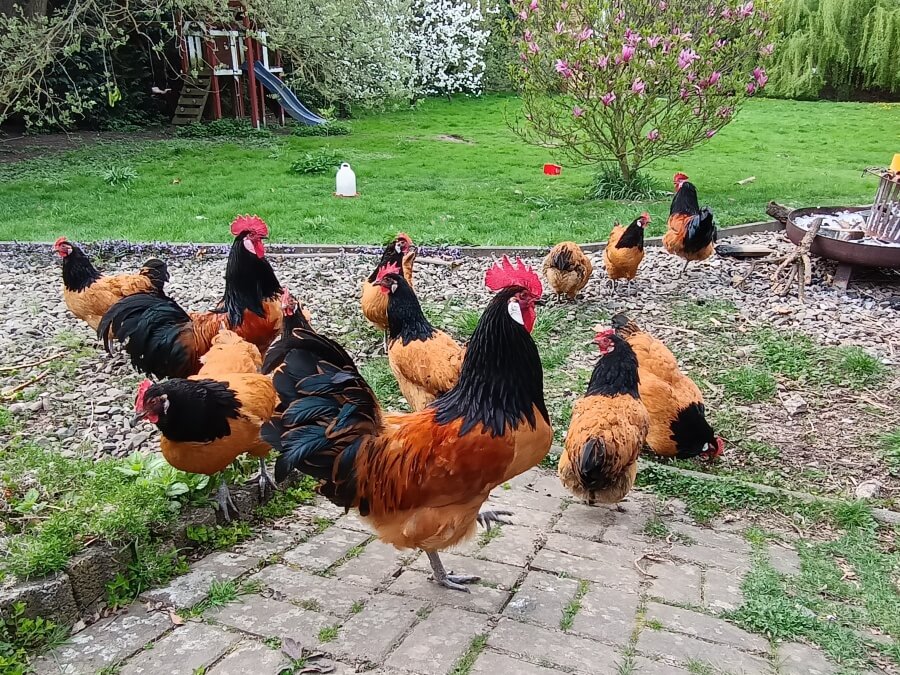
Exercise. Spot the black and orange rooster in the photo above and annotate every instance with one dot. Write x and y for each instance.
(295, 316)
(164, 340)
(420, 478)
(398, 256)
(210, 419)
(625, 249)
(89, 294)
(691, 233)
(608, 428)
(425, 361)
(678, 426)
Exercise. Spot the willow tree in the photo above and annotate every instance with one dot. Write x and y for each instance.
(625, 82)
(846, 46)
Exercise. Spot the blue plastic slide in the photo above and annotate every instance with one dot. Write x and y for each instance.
(286, 97)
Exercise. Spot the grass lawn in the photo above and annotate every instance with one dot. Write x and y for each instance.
(486, 190)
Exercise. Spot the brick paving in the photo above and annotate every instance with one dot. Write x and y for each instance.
(566, 589)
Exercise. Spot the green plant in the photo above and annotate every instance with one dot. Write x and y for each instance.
(748, 383)
(467, 661)
(357, 607)
(330, 128)
(318, 161)
(610, 184)
(890, 450)
(219, 536)
(20, 636)
(119, 176)
(656, 528)
(852, 365)
(152, 566)
(285, 501)
(328, 633)
(572, 609)
(322, 523)
(227, 128)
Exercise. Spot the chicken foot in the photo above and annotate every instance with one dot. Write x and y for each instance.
(225, 502)
(266, 482)
(442, 578)
(684, 269)
(486, 518)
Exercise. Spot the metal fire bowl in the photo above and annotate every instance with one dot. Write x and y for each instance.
(849, 252)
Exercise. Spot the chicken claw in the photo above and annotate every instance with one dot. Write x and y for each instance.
(225, 502)
(451, 581)
(266, 482)
(486, 518)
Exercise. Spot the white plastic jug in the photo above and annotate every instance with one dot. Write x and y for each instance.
(345, 182)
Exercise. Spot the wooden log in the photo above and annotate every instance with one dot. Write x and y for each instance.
(778, 211)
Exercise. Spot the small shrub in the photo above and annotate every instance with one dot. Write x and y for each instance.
(119, 176)
(224, 128)
(609, 184)
(856, 367)
(319, 161)
(331, 128)
(20, 636)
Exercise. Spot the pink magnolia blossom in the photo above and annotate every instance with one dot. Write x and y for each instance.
(725, 112)
(607, 99)
(632, 38)
(719, 45)
(667, 46)
(533, 47)
(687, 37)
(710, 133)
(627, 53)
(523, 56)
(638, 87)
(585, 34)
(602, 62)
(528, 36)
(684, 94)
(759, 74)
(746, 10)
(714, 76)
(726, 13)
(563, 68)
(564, 6)
(559, 28)
(577, 111)
(662, 5)
(653, 135)
(768, 49)
(523, 15)
(751, 88)
(534, 5)
(686, 58)
(620, 17)
(654, 41)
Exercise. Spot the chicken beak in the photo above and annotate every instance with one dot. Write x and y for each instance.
(138, 417)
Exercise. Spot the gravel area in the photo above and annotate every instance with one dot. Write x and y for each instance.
(85, 401)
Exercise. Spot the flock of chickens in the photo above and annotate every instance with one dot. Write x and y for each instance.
(253, 375)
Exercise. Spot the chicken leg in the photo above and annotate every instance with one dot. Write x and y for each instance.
(487, 518)
(266, 481)
(684, 269)
(224, 501)
(452, 581)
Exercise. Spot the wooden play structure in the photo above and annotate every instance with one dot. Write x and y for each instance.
(216, 55)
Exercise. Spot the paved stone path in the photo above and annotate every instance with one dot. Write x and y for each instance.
(564, 590)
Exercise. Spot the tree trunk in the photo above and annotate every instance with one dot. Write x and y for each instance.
(30, 8)
(625, 170)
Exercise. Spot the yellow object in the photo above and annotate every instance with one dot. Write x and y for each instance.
(895, 165)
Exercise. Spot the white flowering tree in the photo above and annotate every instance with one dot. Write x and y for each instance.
(446, 43)
(624, 82)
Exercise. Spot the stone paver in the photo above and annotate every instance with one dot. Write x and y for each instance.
(601, 571)
(541, 645)
(374, 566)
(267, 617)
(191, 588)
(436, 644)
(722, 591)
(514, 546)
(312, 591)
(325, 549)
(492, 574)
(675, 583)
(512, 499)
(273, 542)
(607, 614)
(251, 657)
(794, 658)
(184, 650)
(736, 563)
(538, 520)
(784, 559)
(705, 627)
(492, 663)
(588, 549)
(479, 599)
(705, 536)
(369, 635)
(644, 666)
(541, 599)
(682, 649)
(105, 643)
(591, 522)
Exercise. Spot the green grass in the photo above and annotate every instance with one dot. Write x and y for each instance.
(889, 446)
(488, 191)
(571, 610)
(329, 633)
(467, 661)
(285, 501)
(748, 383)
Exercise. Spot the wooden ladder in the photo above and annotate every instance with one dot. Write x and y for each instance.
(192, 101)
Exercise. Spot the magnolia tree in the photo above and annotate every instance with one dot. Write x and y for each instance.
(624, 82)
(446, 42)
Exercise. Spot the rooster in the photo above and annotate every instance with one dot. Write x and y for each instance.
(210, 419)
(399, 254)
(164, 340)
(567, 269)
(89, 294)
(420, 478)
(625, 249)
(425, 361)
(294, 316)
(608, 428)
(691, 233)
(678, 426)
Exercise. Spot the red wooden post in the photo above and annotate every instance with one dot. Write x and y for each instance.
(212, 60)
(251, 76)
(280, 77)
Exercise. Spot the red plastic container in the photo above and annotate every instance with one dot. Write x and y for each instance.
(552, 169)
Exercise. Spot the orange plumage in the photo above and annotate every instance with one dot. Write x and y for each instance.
(398, 255)
(678, 426)
(89, 294)
(691, 233)
(567, 269)
(419, 478)
(625, 249)
(425, 360)
(608, 428)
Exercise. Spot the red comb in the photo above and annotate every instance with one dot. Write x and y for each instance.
(139, 399)
(390, 268)
(680, 176)
(61, 240)
(285, 295)
(247, 223)
(504, 274)
(609, 332)
(645, 216)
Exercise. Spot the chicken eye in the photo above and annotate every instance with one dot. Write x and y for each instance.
(515, 311)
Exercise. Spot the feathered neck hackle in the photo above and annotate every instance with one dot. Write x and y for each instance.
(249, 280)
(406, 320)
(78, 271)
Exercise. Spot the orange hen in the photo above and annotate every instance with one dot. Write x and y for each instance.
(567, 269)
(625, 249)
